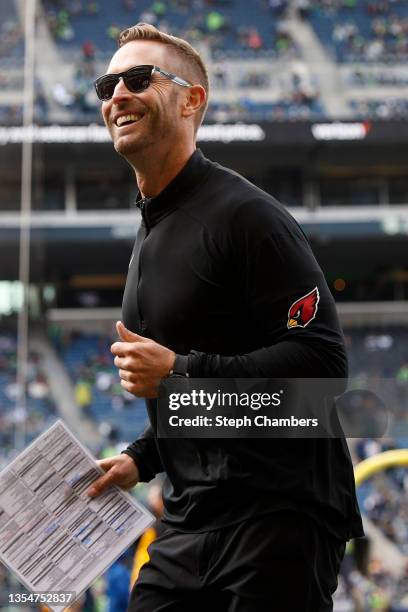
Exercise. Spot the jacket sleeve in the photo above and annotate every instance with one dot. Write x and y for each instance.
(287, 301)
(145, 454)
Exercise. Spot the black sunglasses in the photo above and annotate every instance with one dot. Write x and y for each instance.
(136, 79)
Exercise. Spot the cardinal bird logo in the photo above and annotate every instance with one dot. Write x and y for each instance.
(304, 309)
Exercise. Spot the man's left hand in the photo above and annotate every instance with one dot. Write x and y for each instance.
(142, 362)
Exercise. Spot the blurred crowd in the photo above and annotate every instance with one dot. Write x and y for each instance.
(367, 78)
(387, 108)
(40, 408)
(11, 79)
(369, 589)
(12, 114)
(198, 21)
(384, 498)
(301, 104)
(118, 415)
(376, 30)
(11, 37)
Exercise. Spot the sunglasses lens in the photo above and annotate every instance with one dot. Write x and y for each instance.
(105, 87)
(138, 81)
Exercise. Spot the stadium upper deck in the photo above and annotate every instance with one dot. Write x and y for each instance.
(270, 60)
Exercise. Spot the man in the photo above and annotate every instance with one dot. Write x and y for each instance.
(222, 283)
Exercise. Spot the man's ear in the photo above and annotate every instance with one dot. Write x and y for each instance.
(194, 100)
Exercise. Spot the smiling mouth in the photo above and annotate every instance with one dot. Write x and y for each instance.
(128, 119)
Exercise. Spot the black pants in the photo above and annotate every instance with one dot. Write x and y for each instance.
(282, 562)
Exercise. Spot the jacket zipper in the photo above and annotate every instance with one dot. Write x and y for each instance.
(142, 207)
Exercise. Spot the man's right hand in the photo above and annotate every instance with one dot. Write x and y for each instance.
(120, 470)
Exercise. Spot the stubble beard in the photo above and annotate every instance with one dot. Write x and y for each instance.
(154, 134)
(129, 147)
(131, 143)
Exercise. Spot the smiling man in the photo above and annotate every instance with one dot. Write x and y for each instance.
(155, 130)
(222, 283)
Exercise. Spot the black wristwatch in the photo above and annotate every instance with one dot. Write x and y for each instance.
(180, 367)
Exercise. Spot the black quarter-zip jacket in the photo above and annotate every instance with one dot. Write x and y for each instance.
(216, 265)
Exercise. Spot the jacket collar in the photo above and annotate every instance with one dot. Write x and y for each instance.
(154, 209)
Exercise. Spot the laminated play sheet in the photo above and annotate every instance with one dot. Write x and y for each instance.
(53, 536)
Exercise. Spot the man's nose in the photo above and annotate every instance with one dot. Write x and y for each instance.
(121, 91)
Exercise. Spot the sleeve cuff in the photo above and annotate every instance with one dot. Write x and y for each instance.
(145, 474)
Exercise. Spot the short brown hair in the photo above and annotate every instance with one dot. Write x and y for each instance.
(196, 66)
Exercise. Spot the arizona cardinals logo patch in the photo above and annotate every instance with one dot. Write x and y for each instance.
(304, 309)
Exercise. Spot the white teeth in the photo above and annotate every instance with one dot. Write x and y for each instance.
(123, 118)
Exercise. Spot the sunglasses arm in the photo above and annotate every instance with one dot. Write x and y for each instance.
(172, 77)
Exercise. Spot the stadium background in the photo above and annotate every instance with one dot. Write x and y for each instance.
(309, 101)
